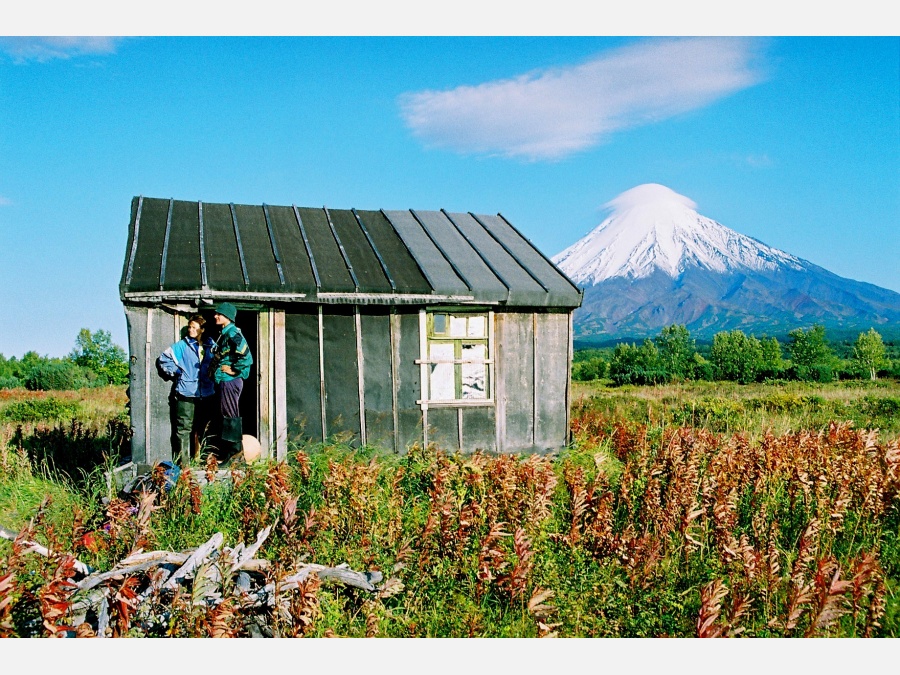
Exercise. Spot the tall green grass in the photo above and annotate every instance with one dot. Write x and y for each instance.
(648, 525)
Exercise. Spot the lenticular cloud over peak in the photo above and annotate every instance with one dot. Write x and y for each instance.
(652, 228)
(647, 195)
(654, 261)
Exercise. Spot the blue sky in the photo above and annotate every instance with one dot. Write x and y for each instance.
(794, 141)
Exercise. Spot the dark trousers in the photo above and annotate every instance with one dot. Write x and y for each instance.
(190, 419)
(182, 411)
(229, 405)
(230, 396)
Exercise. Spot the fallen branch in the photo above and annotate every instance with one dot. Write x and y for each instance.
(207, 568)
(80, 567)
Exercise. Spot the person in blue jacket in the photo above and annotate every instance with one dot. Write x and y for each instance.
(187, 363)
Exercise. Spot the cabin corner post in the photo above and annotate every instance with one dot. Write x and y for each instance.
(139, 368)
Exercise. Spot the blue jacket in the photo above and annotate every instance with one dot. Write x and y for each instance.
(182, 362)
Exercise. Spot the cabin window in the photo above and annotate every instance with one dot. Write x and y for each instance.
(458, 356)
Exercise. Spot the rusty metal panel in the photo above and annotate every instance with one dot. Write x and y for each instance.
(551, 379)
(514, 350)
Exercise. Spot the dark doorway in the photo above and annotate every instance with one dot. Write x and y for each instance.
(248, 322)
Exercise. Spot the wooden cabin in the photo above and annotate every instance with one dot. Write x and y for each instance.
(385, 327)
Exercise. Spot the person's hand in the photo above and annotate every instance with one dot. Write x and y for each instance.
(228, 370)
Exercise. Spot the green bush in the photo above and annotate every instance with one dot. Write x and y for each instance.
(59, 376)
(718, 414)
(591, 369)
(36, 410)
(881, 407)
(10, 382)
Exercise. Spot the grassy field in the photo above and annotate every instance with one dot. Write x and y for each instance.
(754, 409)
(685, 510)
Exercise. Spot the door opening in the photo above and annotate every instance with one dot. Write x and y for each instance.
(248, 321)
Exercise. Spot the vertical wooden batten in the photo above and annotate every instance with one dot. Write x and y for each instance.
(148, 357)
(361, 381)
(499, 384)
(322, 373)
(423, 372)
(395, 376)
(264, 370)
(280, 384)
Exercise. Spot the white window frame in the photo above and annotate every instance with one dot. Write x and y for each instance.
(425, 362)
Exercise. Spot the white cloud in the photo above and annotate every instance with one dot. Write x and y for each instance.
(4, 201)
(43, 49)
(550, 114)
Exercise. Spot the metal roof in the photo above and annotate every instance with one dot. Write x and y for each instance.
(182, 250)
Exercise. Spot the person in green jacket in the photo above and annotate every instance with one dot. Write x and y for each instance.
(232, 361)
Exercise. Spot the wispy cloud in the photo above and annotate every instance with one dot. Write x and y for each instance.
(4, 201)
(550, 114)
(761, 161)
(23, 49)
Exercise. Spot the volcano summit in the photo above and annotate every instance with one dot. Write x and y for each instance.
(655, 261)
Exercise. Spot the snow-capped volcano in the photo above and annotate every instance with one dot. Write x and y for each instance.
(651, 227)
(654, 261)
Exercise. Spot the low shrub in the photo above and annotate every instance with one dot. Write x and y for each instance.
(10, 382)
(59, 376)
(718, 414)
(591, 369)
(41, 409)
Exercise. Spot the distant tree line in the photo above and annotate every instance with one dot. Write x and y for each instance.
(94, 362)
(674, 356)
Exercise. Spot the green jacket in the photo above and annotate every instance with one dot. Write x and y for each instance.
(232, 350)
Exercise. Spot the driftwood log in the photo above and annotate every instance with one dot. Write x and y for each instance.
(34, 547)
(205, 570)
